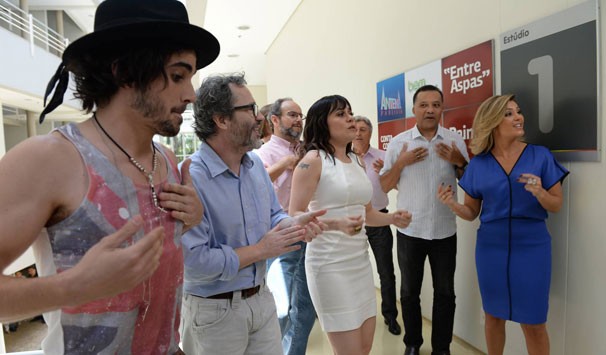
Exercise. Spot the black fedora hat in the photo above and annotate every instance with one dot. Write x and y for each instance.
(121, 24)
(124, 23)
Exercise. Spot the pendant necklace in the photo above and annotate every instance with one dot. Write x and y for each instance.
(149, 175)
(146, 297)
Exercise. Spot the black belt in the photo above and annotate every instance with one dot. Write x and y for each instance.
(249, 292)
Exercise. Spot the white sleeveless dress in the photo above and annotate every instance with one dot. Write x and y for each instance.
(338, 268)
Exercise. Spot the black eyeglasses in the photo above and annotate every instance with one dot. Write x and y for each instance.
(253, 107)
(294, 115)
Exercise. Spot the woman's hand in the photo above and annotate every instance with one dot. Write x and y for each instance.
(446, 195)
(312, 224)
(532, 184)
(351, 225)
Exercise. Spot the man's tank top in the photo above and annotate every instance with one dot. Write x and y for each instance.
(144, 320)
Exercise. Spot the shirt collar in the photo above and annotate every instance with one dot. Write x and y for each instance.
(370, 152)
(439, 134)
(216, 166)
(283, 142)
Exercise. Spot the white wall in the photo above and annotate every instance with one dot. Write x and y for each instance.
(259, 93)
(345, 47)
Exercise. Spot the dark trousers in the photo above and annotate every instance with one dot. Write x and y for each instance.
(442, 259)
(381, 243)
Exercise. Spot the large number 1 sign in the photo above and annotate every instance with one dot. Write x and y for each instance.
(542, 67)
(551, 67)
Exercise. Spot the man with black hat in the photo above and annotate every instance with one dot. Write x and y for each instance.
(113, 203)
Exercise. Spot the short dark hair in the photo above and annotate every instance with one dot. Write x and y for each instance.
(316, 133)
(214, 97)
(427, 88)
(99, 75)
(276, 107)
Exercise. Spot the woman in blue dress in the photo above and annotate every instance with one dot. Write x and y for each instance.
(514, 185)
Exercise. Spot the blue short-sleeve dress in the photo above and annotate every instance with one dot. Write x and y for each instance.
(513, 248)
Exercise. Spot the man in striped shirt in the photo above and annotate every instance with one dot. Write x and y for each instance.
(416, 163)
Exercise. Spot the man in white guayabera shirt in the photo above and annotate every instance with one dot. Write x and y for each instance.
(417, 162)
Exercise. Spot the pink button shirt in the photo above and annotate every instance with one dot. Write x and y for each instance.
(270, 153)
(379, 198)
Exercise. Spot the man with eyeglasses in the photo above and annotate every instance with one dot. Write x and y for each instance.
(286, 278)
(227, 306)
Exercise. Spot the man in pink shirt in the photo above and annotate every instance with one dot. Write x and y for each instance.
(286, 277)
(379, 238)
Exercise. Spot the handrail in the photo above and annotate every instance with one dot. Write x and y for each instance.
(22, 23)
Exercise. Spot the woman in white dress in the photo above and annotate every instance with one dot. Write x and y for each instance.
(337, 263)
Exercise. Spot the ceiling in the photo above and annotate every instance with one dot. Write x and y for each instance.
(245, 29)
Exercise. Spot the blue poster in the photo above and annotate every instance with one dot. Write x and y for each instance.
(390, 98)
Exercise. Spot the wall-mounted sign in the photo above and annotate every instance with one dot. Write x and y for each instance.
(428, 74)
(390, 98)
(551, 66)
(466, 79)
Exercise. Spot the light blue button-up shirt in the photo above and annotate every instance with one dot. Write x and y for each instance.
(238, 212)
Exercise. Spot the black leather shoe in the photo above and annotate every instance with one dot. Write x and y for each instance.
(393, 326)
(441, 352)
(412, 350)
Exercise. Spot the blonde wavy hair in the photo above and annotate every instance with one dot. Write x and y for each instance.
(490, 114)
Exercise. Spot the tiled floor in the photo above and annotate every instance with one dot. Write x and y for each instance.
(384, 342)
(30, 334)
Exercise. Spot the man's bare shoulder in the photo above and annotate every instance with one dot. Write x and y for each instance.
(47, 162)
(45, 151)
(40, 179)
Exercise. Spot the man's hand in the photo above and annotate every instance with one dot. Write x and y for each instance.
(377, 165)
(281, 240)
(182, 200)
(288, 161)
(109, 268)
(310, 221)
(401, 218)
(406, 157)
(451, 154)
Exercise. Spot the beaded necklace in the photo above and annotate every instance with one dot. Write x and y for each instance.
(149, 175)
